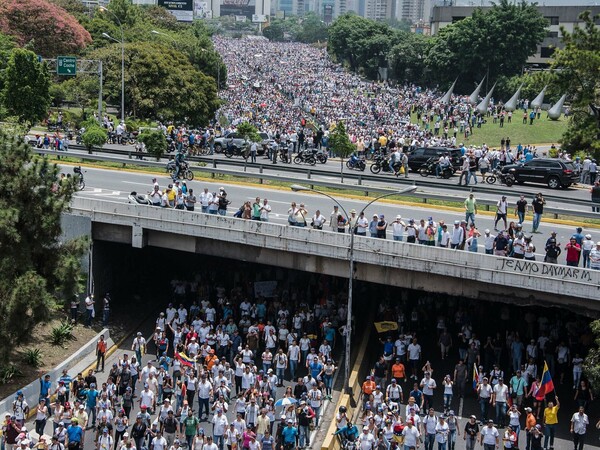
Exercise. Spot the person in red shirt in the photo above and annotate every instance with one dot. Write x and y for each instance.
(573, 252)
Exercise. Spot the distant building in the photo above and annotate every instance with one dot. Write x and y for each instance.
(557, 16)
(413, 11)
(378, 9)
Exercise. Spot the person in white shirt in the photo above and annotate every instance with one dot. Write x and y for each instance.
(428, 384)
(429, 424)
(488, 242)
(441, 433)
(366, 440)
(457, 235)
(265, 209)
(411, 435)
(398, 228)
(206, 199)
(499, 401)
(220, 425)
(105, 441)
(414, 355)
(579, 423)
(210, 445)
(502, 208)
(489, 436)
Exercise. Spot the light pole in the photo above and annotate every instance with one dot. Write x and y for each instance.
(298, 188)
(122, 42)
(158, 33)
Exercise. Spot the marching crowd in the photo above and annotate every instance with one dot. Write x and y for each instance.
(213, 350)
(505, 368)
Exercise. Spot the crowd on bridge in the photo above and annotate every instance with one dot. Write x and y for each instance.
(511, 239)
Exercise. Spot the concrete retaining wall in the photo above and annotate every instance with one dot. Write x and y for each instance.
(32, 390)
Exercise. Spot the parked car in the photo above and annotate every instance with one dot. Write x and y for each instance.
(421, 155)
(238, 142)
(553, 172)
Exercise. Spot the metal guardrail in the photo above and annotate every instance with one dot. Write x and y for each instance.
(358, 176)
(423, 196)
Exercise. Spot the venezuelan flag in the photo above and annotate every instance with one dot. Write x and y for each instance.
(547, 385)
(185, 360)
(475, 377)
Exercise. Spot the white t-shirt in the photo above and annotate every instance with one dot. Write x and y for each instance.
(411, 434)
(414, 351)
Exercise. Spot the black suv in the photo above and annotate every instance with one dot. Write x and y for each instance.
(553, 172)
(421, 155)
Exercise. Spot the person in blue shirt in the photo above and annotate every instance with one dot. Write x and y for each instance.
(74, 438)
(315, 368)
(45, 385)
(66, 378)
(289, 434)
(349, 432)
(91, 398)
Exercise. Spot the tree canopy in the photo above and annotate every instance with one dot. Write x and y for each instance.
(37, 271)
(26, 84)
(48, 28)
(497, 41)
(183, 93)
(577, 66)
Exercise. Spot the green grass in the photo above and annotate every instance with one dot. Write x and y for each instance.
(543, 131)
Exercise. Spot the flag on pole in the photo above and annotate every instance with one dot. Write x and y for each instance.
(547, 385)
(475, 377)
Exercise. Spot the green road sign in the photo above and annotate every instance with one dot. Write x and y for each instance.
(66, 65)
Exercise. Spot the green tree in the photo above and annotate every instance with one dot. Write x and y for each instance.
(93, 136)
(498, 41)
(82, 90)
(26, 87)
(359, 43)
(407, 57)
(577, 67)
(591, 364)
(48, 271)
(159, 83)
(155, 142)
(533, 83)
(274, 32)
(312, 29)
(340, 143)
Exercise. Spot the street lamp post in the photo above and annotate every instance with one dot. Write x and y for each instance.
(158, 33)
(122, 42)
(297, 188)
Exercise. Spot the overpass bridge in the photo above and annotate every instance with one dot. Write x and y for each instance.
(411, 266)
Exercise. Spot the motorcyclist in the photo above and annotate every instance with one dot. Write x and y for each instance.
(179, 161)
(443, 163)
(349, 433)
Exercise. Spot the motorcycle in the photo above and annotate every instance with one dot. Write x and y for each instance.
(504, 178)
(78, 176)
(184, 170)
(382, 163)
(236, 151)
(429, 168)
(140, 199)
(321, 156)
(356, 163)
(305, 157)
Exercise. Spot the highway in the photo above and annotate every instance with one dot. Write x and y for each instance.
(332, 171)
(117, 184)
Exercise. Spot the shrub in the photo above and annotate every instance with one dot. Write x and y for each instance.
(62, 333)
(7, 373)
(94, 136)
(155, 142)
(33, 357)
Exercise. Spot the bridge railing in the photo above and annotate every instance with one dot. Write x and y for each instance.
(454, 264)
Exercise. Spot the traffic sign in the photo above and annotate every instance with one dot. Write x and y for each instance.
(66, 65)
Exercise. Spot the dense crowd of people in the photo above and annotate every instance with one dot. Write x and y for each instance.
(509, 369)
(213, 350)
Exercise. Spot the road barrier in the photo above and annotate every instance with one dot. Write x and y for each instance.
(424, 196)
